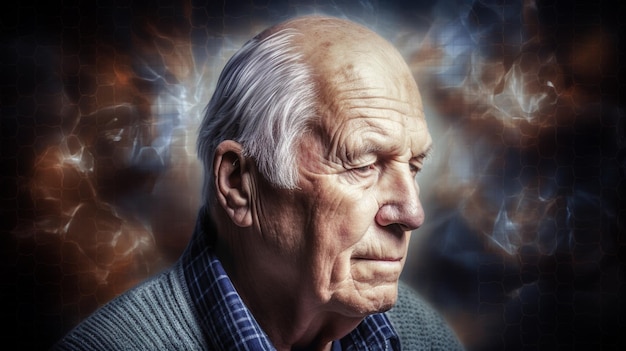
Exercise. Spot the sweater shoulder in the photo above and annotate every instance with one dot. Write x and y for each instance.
(419, 325)
(155, 315)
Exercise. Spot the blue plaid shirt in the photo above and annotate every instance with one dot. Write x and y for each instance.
(229, 325)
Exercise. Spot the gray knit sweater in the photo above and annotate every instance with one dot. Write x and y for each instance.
(157, 315)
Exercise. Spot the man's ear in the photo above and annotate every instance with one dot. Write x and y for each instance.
(232, 175)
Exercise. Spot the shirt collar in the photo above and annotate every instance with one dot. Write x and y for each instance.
(227, 322)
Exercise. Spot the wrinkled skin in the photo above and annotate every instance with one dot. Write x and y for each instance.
(312, 262)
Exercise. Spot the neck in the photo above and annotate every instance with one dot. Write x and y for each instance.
(288, 313)
(291, 323)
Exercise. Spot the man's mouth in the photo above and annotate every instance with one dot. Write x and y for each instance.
(377, 259)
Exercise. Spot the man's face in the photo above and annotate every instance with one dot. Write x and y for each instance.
(343, 234)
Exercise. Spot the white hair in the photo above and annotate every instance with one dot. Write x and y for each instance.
(265, 99)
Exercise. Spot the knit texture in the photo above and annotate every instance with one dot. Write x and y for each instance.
(156, 315)
(418, 325)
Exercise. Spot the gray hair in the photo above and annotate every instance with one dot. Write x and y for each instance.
(265, 99)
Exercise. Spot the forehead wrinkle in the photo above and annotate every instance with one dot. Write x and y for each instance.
(344, 134)
(377, 98)
(362, 83)
(387, 114)
(384, 115)
(380, 102)
(383, 138)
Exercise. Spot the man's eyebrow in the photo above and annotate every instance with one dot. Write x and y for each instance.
(362, 150)
(426, 155)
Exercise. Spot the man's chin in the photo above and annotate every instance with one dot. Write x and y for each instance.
(375, 299)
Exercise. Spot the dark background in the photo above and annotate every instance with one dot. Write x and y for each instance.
(525, 195)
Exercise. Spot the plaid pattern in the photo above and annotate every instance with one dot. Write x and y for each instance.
(228, 323)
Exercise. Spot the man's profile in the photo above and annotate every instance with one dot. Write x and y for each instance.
(310, 145)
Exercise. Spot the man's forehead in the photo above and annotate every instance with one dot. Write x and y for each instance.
(388, 123)
(360, 76)
(379, 94)
(363, 131)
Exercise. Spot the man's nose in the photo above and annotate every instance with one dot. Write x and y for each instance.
(400, 204)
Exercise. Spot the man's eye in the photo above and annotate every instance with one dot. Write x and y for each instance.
(364, 169)
(415, 169)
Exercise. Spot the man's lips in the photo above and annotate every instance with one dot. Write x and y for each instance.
(380, 268)
(381, 259)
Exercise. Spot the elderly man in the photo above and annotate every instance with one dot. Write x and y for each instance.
(311, 144)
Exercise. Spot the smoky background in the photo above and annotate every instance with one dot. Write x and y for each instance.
(523, 246)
